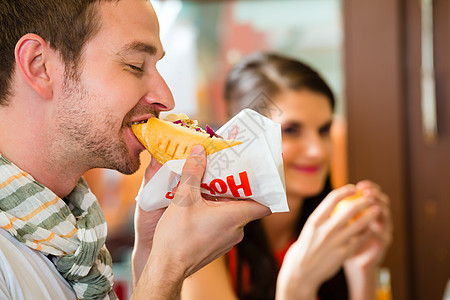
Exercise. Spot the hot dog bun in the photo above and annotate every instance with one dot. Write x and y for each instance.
(166, 140)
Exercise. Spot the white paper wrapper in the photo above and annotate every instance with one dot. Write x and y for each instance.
(253, 169)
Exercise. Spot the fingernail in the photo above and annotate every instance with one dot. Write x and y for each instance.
(153, 162)
(197, 150)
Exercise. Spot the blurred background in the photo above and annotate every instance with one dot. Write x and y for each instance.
(388, 64)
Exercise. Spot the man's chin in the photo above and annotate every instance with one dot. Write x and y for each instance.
(130, 168)
(126, 167)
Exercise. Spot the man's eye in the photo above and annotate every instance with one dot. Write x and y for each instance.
(136, 68)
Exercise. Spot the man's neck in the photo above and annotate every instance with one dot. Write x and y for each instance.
(60, 180)
(23, 141)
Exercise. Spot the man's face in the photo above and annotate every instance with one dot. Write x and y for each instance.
(117, 84)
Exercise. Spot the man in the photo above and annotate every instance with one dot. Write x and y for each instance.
(74, 75)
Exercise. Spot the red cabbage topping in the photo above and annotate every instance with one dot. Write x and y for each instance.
(208, 129)
(179, 122)
(211, 132)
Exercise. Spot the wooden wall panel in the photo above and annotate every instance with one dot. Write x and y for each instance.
(374, 94)
(429, 165)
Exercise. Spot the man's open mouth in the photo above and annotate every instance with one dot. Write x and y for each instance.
(137, 122)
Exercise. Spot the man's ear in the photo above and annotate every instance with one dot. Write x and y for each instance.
(34, 60)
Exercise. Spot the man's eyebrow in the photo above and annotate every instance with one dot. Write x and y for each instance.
(139, 47)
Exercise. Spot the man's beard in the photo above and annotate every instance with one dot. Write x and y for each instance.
(88, 137)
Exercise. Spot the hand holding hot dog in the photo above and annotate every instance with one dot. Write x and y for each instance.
(194, 231)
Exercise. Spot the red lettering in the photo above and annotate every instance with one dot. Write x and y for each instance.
(171, 195)
(207, 187)
(222, 189)
(245, 185)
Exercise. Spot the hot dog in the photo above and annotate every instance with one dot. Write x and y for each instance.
(173, 137)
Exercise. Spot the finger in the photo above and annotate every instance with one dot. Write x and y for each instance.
(352, 211)
(382, 201)
(188, 191)
(323, 211)
(355, 242)
(209, 197)
(383, 198)
(194, 167)
(149, 217)
(151, 170)
(383, 224)
(253, 210)
(361, 223)
(146, 221)
(213, 199)
(384, 236)
(247, 210)
(371, 189)
(367, 184)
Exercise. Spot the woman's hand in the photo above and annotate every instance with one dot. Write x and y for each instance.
(325, 242)
(371, 253)
(362, 266)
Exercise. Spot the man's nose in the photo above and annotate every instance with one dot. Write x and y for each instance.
(159, 94)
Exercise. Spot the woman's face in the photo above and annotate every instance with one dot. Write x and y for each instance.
(305, 124)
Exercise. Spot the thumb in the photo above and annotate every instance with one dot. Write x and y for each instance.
(192, 173)
(251, 210)
(323, 211)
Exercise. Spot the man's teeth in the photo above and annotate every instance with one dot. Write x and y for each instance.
(138, 122)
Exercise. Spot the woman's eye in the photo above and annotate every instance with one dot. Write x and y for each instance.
(325, 131)
(291, 130)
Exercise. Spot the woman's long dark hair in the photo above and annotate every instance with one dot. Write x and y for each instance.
(259, 78)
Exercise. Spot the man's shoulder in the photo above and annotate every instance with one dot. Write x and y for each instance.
(11, 253)
(8, 244)
(27, 273)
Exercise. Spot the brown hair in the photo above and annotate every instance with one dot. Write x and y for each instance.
(253, 83)
(260, 77)
(66, 24)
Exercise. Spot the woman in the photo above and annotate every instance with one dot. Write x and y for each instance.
(332, 258)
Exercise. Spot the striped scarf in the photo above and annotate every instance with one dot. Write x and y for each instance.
(73, 234)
